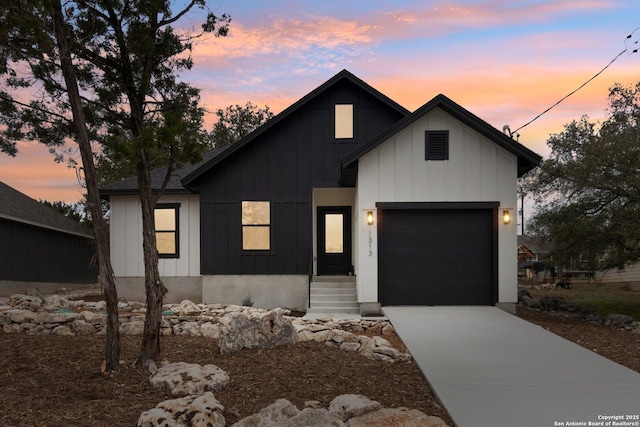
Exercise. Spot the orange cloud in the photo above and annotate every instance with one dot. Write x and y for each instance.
(448, 17)
(34, 173)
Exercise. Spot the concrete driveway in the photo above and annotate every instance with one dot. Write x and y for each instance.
(490, 368)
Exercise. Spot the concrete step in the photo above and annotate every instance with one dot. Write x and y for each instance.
(334, 294)
(337, 298)
(341, 279)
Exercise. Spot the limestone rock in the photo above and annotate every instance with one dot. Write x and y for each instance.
(310, 417)
(348, 406)
(187, 328)
(132, 328)
(183, 379)
(25, 302)
(82, 327)
(255, 330)
(187, 308)
(397, 417)
(618, 320)
(63, 330)
(275, 414)
(210, 330)
(13, 328)
(202, 410)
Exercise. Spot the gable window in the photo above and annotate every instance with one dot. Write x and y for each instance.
(344, 121)
(436, 145)
(256, 226)
(166, 226)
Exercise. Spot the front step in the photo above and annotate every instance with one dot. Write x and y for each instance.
(334, 294)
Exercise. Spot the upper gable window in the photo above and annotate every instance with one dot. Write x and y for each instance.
(436, 145)
(344, 121)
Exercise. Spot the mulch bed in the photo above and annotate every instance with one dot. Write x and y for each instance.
(56, 380)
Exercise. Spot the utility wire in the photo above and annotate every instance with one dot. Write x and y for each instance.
(626, 49)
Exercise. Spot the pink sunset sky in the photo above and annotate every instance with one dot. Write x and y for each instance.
(505, 61)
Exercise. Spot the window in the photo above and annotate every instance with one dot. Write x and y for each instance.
(344, 121)
(256, 226)
(166, 225)
(436, 145)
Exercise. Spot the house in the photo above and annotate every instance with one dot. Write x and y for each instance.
(345, 182)
(41, 248)
(533, 258)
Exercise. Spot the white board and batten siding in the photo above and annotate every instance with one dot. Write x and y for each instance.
(478, 170)
(126, 237)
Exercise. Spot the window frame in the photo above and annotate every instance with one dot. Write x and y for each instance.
(176, 209)
(441, 137)
(254, 226)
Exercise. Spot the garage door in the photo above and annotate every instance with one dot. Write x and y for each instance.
(437, 254)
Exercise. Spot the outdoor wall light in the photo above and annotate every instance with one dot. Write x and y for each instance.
(506, 217)
(370, 217)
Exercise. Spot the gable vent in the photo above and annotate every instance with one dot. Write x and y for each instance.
(436, 145)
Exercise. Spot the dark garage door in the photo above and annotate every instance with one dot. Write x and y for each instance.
(438, 254)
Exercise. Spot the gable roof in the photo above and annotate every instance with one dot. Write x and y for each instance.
(527, 159)
(18, 207)
(343, 75)
(129, 186)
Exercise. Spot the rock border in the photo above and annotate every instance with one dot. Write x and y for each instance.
(559, 305)
(58, 315)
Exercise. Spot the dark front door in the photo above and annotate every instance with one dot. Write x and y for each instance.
(334, 240)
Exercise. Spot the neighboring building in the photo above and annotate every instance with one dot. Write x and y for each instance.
(41, 248)
(343, 182)
(629, 274)
(533, 258)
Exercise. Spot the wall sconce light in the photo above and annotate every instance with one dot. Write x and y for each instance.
(370, 217)
(506, 217)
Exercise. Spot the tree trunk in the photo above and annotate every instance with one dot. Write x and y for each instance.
(154, 288)
(112, 348)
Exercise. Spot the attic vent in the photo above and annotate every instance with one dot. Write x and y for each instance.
(436, 145)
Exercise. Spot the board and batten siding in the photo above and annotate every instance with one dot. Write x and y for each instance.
(478, 170)
(126, 237)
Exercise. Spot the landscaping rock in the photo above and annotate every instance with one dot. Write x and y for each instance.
(132, 328)
(275, 414)
(618, 320)
(310, 417)
(194, 411)
(345, 410)
(397, 417)
(352, 405)
(25, 302)
(187, 308)
(184, 379)
(234, 327)
(255, 330)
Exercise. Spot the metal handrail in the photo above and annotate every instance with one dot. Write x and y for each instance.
(310, 280)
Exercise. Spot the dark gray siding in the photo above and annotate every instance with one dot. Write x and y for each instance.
(282, 166)
(33, 254)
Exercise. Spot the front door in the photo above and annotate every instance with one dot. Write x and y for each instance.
(334, 240)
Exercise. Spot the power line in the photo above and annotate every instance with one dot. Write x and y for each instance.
(626, 50)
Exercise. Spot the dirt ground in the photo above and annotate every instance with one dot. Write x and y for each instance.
(54, 380)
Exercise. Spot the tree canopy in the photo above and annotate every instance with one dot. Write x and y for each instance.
(237, 121)
(588, 191)
(105, 72)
